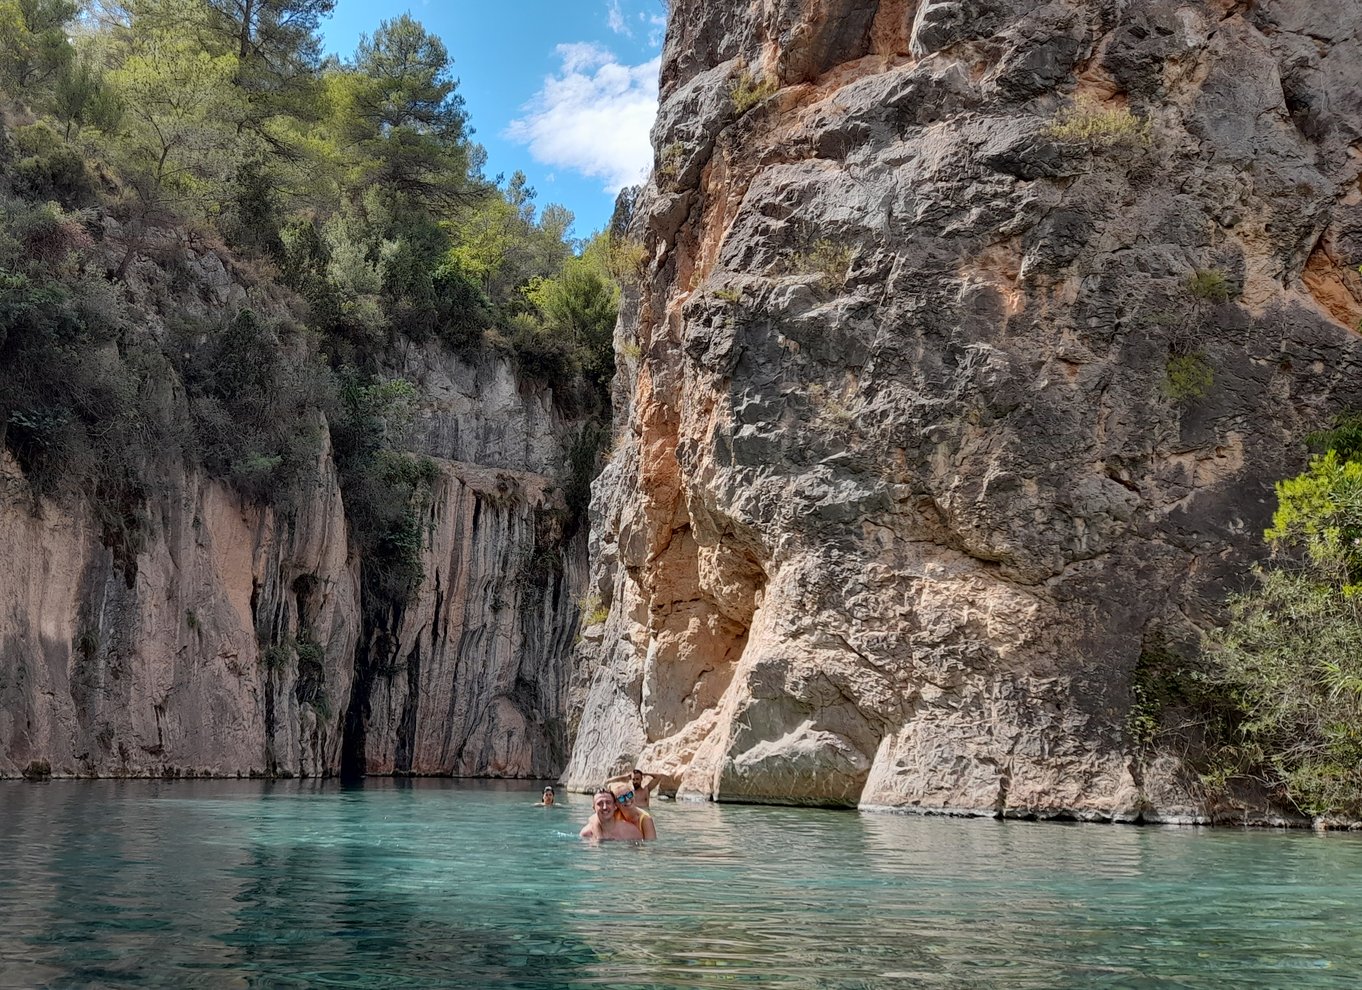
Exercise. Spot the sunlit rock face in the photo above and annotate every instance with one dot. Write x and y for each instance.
(106, 670)
(967, 356)
(229, 639)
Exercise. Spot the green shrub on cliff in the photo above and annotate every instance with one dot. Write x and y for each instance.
(749, 89)
(1088, 123)
(1188, 377)
(1291, 657)
(1209, 285)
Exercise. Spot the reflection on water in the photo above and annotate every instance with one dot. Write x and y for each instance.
(449, 884)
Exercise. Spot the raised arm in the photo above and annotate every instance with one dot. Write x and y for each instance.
(619, 777)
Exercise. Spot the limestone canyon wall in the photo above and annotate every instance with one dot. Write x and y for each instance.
(162, 663)
(972, 337)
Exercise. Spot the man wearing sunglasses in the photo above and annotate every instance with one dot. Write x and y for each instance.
(605, 825)
(625, 808)
(642, 791)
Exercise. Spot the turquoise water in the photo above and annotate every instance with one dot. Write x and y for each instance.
(450, 884)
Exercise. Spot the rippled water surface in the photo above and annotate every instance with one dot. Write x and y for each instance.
(448, 884)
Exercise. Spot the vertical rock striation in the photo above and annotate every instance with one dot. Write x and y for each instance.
(470, 677)
(973, 335)
(160, 666)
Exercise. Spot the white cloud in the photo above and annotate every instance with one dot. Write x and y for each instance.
(615, 19)
(581, 55)
(659, 30)
(593, 117)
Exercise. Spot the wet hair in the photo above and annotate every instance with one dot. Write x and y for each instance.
(603, 790)
(549, 789)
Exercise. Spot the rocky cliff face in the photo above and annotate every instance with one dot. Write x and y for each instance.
(973, 335)
(233, 640)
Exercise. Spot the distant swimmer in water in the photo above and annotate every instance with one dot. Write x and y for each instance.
(626, 809)
(547, 800)
(605, 825)
(642, 791)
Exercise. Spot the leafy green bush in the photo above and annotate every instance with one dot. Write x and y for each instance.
(748, 90)
(1209, 285)
(593, 610)
(584, 461)
(825, 258)
(1188, 377)
(387, 491)
(461, 310)
(580, 306)
(1091, 125)
(1291, 656)
(42, 238)
(48, 168)
(255, 408)
(1292, 660)
(540, 353)
(668, 168)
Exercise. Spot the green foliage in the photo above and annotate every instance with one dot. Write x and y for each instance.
(387, 491)
(1188, 377)
(180, 109)
(254, 408)
(626, 259)
(398, 109)
(1345, 438)
(593, 610)
(276, 657)
(825, 258)
(71, 403)
(249, 215)
(584, 463)
(277, 48)
(34, 47)
(581, 306)
(1173, 701)
(668, 168)
(82, 96)
(1091, 125)
(1320, 511)
(1209, 285)
(1291, 656)
(748, 90)
(354, 179)
(46, 167)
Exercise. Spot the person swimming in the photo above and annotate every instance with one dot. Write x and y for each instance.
(548, 800)
(624, 808)
(605, 825)
(643, 789)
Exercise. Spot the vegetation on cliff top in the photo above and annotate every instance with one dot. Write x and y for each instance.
(345, 207)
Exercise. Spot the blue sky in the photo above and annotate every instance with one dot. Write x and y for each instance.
(563, 90)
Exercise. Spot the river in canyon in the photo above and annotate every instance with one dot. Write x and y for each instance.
(439, 883)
